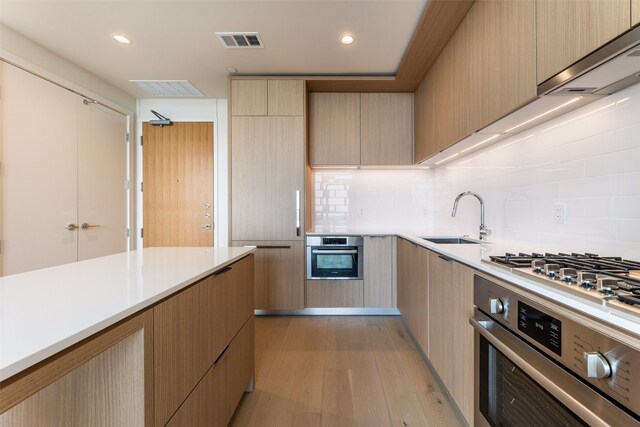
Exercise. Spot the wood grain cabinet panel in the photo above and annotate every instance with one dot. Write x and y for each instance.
(635, 12)
(334, 293)
(249, 97)
(386, 129)
(499, 38)
(215, 398)
(334, 129)
(267, 169)
(379, 277)
(425, 119)
(568, 30)
(279, 274)
(451, 338)
(413, 285)
(285, 97)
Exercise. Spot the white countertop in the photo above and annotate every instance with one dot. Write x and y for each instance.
(45, 311)
(472, 255)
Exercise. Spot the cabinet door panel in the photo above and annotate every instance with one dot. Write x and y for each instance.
(425, 119)
(413, 283)
(279, 274)
(378, 271)
(386, 129)
(285, 97)
(267, 173)
(568, 30)
(248, 97)
(334, 293)
(635, 12)
(334, 129)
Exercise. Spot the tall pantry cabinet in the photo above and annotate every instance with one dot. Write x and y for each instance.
(267, 185)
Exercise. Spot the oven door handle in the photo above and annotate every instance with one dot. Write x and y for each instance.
(337, 252)
(575, 395)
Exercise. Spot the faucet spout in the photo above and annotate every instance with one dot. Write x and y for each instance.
(483, 229)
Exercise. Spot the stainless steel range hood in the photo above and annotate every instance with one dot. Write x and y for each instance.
(609, 69)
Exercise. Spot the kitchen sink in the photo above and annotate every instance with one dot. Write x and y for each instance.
(451, 240)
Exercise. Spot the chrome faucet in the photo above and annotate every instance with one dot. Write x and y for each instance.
(483, 229)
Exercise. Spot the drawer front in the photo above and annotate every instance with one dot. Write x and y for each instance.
(335, 293)
(216, 397)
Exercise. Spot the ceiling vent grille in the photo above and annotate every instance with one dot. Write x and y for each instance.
(168, 88)
(241, 40)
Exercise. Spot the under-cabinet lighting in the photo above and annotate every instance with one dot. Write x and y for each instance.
(544, 114)
(445, 159)
(579, 117)
(481, 142)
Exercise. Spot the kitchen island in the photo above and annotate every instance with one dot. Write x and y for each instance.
(132, 310)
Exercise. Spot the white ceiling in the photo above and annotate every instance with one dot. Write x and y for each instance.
(176, 40)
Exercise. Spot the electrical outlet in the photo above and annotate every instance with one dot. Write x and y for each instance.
(560, 213)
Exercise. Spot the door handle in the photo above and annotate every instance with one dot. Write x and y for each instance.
(86, 226)
(297, 213)
(70, 227)
(206, 226)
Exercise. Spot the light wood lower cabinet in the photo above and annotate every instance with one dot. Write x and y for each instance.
(279, 274)
(192, 328)
(214, 399)
(413, 284)
(334, 293)
(451, 337)
(379, 271)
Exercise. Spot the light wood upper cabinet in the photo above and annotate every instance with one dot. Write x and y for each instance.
(425, 119)
(249, 97)
(635, 12)
(502, 76)
(334, 129)
(285, 98)
(379, 269)
(262, 97)
(279, 274)
(267, 172)
(568, 30)
(451, 337)
(386, 129)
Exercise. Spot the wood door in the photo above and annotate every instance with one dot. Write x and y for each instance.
(386, 129)
(177, 175)
(378, 271)
(102, 172)
(334, 129)
(568, 30)
(267, 174)
(39, 168)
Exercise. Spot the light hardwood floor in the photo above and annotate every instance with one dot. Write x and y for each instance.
(340, 371)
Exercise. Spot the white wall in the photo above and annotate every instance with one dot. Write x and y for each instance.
(14, 46)
(370, 200)
(587, 160)
(193, 110)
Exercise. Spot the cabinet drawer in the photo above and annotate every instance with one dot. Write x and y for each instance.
(335, 293)
(216, 397)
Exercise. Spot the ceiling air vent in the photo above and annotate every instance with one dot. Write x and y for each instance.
(168, 88)
(240, 40)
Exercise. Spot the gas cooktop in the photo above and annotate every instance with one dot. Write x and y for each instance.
(612, 281)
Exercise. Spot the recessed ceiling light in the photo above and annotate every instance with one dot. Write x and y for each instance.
(347, 39)
(121, 39)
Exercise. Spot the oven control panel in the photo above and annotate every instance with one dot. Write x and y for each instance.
(604, 362)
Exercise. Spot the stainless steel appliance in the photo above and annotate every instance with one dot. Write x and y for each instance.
(610, 281)
(334, 257)
(543, 365)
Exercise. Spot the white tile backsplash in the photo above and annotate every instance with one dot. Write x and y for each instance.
(588, 160)
(370, 199)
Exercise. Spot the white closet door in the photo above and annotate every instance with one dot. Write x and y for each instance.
(39, 166)
(102, 170)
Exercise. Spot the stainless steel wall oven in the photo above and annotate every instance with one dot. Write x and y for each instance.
(539, 366)
(334, 257)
